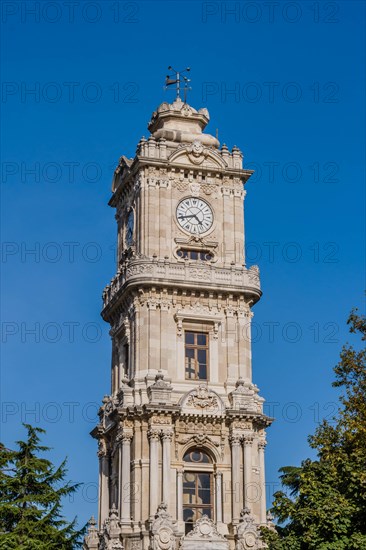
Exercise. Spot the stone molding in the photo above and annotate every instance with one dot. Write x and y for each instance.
(140, 271)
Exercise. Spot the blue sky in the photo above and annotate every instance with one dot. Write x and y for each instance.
(283, 81)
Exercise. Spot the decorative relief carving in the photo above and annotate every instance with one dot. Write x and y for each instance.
(134, 544)
(182, 186)
(204, 536)
(111, 532)
(201, 274)
(244, 396)
(137, 269)
(247, 535)
(160, 420)
(199, 439)
(239, 425)
(253, 274)
(162, 530)
(195, 189)
(203, 398)
(208, 189)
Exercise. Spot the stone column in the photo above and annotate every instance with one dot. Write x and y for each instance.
(179, 495)
(219, 497)
(154, 438)
(248, 442)
(167, 439)
(235, 477)
(262, 482)
(103, 455)
(125, 477)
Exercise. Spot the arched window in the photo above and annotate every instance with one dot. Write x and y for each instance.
(197, 487)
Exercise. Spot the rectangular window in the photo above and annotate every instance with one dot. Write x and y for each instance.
(203, 255)
(197, 497)
(196, 355)
(126, 359)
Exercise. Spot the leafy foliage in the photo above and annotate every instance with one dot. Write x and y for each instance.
(323, 506)
(31, 491)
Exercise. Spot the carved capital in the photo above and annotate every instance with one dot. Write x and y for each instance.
(153, 435)
(235, 440)
(167, 436)
(248, 440)
(126, 438)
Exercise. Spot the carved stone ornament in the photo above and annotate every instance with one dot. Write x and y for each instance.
(244, 396)
(253, 274)
(203, 398)
(160, 391)
(247, 535)
(197, 153)
(199, 440)
(195, 189)
(204, 536)
(202, 401)
(162, 534)
(111, 532)
(180, 185)
(134, 544)
(91, 541)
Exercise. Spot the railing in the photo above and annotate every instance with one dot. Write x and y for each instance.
(188, 272)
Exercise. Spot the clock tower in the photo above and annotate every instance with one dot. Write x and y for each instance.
(182, 434)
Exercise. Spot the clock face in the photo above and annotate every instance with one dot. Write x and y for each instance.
(129, 228)
(194, 215)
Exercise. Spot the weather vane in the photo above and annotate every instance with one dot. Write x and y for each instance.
(177, 79)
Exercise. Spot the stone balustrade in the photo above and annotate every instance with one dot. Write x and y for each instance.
(235, 279)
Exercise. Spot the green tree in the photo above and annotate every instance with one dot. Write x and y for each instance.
(31, 491)
(323, 506)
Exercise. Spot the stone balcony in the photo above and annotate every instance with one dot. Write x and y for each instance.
(185, 275)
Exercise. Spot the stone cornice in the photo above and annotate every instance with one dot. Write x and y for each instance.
(140, 162)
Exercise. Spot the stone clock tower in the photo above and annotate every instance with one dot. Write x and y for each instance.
(182, 434)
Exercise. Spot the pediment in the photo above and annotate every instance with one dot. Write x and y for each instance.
(197, 154)
(121, 171)
(202, 400)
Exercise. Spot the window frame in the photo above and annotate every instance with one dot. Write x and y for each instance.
(197, 468)
(186, 254)
(196, 347)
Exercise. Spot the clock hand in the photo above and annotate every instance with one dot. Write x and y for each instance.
(189, 216)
